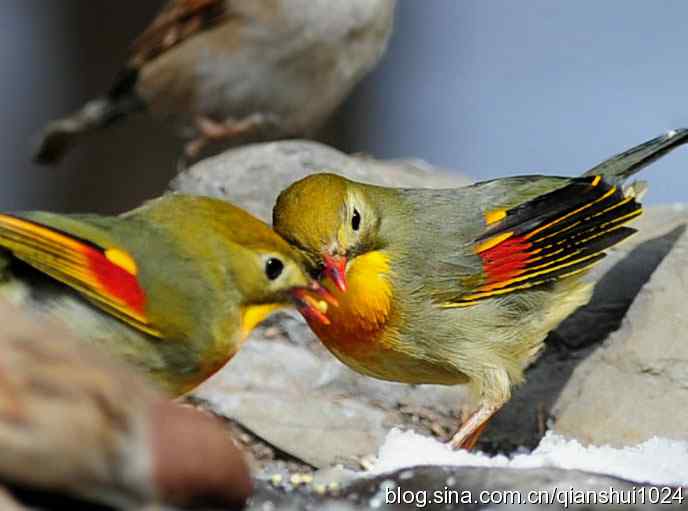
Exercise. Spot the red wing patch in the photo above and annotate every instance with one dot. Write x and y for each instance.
(557, 235)
(105, 276)
(116, 281)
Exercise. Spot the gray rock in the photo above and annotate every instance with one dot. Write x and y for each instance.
(455, 485)
(252, 176)
(631, 387)
(291, 397)
(620, 277)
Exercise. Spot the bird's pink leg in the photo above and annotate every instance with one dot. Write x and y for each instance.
(469, 432)
(211, 130)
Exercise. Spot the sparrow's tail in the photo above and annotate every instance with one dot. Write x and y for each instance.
(618, 168)
(58, 136)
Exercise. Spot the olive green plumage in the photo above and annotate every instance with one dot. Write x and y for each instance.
(426, 236)
(200, 262)
(472, 278)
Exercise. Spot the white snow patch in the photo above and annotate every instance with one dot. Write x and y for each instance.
(656, 461)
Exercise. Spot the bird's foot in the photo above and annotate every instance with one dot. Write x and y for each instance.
(210, 130)
(469, 432)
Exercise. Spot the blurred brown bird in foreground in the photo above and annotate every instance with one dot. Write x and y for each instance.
(238, 69)
(74, 422)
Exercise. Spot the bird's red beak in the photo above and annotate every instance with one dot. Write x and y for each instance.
(335, 270)
(311, 307)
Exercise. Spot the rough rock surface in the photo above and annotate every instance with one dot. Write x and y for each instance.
(294, 395)
(628, 388)
(620, 277)
(252, 176)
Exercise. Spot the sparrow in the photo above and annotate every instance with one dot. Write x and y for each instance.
(237, 70)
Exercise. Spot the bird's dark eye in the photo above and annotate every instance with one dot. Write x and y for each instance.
(356, 220)
(273, 268)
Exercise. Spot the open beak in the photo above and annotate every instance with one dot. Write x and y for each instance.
(335, 270)
(312, 301)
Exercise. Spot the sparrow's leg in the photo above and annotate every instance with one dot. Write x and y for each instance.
(469, 432)
(210, 130)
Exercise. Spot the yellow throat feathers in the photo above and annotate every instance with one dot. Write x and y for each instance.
(364, 309)
(251, 315)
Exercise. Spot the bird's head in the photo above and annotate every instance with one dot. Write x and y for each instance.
(331, 220)
(265, 269)
(223, 240)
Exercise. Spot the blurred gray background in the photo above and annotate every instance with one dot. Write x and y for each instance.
(488, 88)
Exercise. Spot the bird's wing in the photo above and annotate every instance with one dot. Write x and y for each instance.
(177, 21)
(105, 275)
(552, 236)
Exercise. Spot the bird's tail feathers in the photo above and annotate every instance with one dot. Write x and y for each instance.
(619, 167)
(58, 136)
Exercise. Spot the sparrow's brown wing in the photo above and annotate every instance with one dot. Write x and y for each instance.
(177, 21)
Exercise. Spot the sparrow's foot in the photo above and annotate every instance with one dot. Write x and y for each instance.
(210, 130)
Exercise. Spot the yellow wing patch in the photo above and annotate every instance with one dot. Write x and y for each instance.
(492, 217)
(122, 259)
